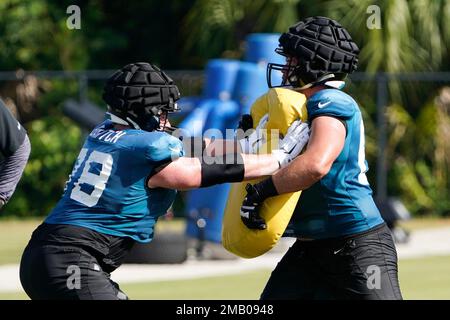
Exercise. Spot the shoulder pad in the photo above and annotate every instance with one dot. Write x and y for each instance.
(331, 102)
(161, 146)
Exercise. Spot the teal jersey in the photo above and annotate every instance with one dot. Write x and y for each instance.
(341, 202)
(107, 189)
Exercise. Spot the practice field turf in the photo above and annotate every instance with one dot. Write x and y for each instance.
(426, 278)
(14, 234)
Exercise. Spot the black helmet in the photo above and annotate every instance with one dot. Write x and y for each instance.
(324, 51)
(138, 94)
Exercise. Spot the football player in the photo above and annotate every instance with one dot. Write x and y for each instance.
(123, 180)
(344, 250)
(14, 152)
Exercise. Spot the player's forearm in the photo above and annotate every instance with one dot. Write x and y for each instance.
(301, 174)
(236, 168)
(198, 147)
(189, 173)
(257, 166)
(220, 147)
(318, 158)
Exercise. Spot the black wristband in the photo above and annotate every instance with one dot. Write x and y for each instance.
(266, 189)
(221, 169)
(246, 122)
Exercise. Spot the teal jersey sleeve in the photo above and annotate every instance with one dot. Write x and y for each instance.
(161, 147)
(107, 190)
(331, 102)
(341, 202)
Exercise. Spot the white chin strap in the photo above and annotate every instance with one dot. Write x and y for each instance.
(337, 84)
(116, 119)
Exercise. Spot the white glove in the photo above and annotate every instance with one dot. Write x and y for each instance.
(252, 142)
(292, 144)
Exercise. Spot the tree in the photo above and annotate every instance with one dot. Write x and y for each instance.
(214, 28)
(414, 36)
(184, 34)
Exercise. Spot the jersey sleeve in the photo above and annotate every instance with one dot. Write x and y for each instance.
(333, 103)
(161, 147)
(12, 134)
(11, 170)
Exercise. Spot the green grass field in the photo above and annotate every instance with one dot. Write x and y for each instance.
(15, 234)
(425, 278)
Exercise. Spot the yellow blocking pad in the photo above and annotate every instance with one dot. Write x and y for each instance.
(284, 107)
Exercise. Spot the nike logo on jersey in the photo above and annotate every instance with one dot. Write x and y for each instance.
(321, 105)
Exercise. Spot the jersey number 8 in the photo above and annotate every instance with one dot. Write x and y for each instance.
(96, 181)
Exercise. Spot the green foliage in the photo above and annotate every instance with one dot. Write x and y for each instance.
(214, 28)
(184, 34)
(414, 34)
(113, 33)
(48, 167)
(34, 38)
(55, 142)
(419, 154)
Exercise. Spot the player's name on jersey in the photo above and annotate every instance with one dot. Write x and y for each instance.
(107, 135)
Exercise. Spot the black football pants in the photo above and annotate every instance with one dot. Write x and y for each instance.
(359, 267)
(64, 272)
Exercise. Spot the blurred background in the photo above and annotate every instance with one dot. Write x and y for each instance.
(51, 78)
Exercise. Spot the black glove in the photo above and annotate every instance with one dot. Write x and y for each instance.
(246, 122)
(250, 209)
(256, 194)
